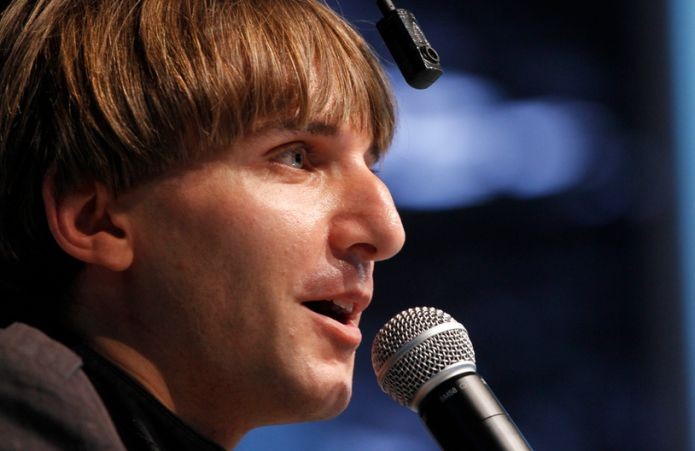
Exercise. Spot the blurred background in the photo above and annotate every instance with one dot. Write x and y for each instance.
(545, 187)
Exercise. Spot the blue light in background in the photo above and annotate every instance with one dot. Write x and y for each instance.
(333, 435)
(683, 60)
(461, 143)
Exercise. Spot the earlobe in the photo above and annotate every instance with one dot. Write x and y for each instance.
(85, 225)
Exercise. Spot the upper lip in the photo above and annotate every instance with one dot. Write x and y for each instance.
(348, 282)
(359, 298)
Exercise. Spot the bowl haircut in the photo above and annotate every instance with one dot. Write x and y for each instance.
(120, 92)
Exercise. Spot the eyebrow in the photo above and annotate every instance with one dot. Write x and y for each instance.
(321, 128)
(315, 128)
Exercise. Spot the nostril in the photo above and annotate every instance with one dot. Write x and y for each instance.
(364, 251)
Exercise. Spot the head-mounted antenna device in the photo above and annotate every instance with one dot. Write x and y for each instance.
(416, 58)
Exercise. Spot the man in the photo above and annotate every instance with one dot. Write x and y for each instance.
(188, 204)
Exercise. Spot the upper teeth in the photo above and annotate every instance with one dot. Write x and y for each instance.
(347, 306)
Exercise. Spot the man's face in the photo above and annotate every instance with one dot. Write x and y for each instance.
(252, 267)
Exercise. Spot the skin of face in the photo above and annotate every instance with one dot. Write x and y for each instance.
(226, 253)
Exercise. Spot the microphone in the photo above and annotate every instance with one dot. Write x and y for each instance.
(424, 360)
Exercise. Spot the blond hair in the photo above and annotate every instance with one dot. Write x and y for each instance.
(121, 91)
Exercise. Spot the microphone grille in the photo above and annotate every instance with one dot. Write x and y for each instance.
(414, 347)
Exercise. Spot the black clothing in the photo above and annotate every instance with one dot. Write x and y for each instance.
(142, 422)
(60, 395)
(46, 401)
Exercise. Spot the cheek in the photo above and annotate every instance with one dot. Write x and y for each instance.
(276, 223)
(221, 234)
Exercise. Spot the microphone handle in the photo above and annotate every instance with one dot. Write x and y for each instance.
(463, 414)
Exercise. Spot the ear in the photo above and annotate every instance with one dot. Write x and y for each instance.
(86, 225)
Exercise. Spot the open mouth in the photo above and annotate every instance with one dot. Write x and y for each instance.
(337, 310)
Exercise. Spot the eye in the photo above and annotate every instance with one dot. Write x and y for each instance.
(294, 156)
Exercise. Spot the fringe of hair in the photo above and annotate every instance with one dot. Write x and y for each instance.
(122, 91)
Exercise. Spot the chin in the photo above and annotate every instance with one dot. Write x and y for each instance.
(322, 399)
(329, 406)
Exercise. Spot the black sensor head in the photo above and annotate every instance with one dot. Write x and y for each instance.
(417, 60)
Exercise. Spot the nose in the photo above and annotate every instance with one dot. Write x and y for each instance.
(367, 225)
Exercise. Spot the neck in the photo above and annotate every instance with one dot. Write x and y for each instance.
(116, 328)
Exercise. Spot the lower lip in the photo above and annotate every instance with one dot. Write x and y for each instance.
(347, 334)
